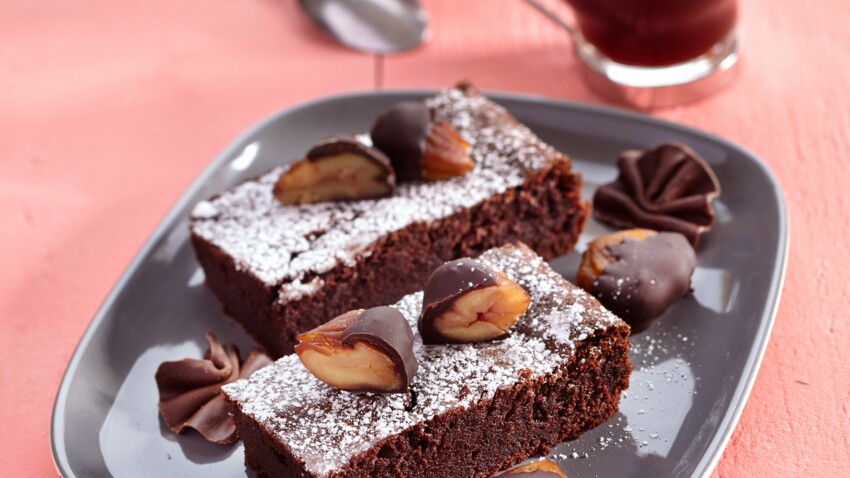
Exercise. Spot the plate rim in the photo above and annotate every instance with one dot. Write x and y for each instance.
(730, 419)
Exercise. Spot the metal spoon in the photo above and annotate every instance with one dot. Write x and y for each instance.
(375, 26)
(557, 20)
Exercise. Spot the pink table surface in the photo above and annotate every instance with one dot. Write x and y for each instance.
(108, 110)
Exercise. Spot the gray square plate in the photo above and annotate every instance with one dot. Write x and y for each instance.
(693, 369)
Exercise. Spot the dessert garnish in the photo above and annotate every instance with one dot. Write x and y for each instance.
(418, 146)
(666, 188)
(637, 273)
(322, 260)
(362, 350)
(465, 301)
(190, 390)
(337, 169)
(560, 374)
(537, 469)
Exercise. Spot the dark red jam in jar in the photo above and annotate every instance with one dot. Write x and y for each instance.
(654, 32)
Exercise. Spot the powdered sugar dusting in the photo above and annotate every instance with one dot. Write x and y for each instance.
(281, 244)
(326, 428)
(296, 290)
(204, 210)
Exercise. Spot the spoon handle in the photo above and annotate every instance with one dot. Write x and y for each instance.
(546, 12)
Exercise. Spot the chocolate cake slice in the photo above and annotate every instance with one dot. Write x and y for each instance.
(474, 409)
(280, 270)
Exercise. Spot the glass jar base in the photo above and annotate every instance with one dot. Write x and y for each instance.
(659, 87)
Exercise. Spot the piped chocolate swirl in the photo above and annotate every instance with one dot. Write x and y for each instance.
(666, 188)
(190, 390)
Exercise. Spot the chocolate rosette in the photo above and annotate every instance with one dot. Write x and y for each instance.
(667, 188)
(190, 390)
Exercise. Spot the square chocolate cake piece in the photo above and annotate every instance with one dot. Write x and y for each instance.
(474, 409)
(280, 270)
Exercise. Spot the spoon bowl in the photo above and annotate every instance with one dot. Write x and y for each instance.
(374, 26)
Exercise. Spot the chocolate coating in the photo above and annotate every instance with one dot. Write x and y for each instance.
(190, 390)
(339, 168)
(402, 133)
(646, 277)
(388, 331)
(667, 188)
(446, 284)
(337, 145)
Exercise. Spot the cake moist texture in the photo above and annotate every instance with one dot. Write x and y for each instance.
(280, 270)
(474, 409)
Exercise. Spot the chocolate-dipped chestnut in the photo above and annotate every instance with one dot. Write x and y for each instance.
(418, 146)
(637, 273)
(361, 350)
(666, 188)
(465, 301)
(337, 169)
(537, 469)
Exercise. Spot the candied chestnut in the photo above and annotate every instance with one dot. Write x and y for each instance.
(337, 169)
(596, 257)
(361, 350)
(637, 273)
(418, 146)
(537, 469)
(465, 301)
